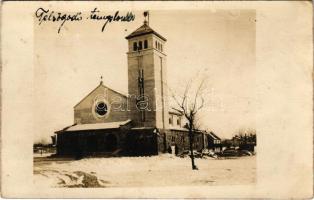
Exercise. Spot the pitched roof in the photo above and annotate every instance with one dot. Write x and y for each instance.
(100, 85)
(184, 129)
(96, 126)
(143, 30)
(175, 112)
(213, 135)
(178, 129)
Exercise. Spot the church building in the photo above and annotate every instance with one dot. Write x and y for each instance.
(107, 122)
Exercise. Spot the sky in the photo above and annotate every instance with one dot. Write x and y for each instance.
(219, 44)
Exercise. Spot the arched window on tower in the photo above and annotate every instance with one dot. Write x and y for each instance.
(140, 45)
(156, 44)
(145, 44)
(134, 46)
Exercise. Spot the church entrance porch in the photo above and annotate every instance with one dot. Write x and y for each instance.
(100, 143)
(111, 142)
(90, 143)
(91, 140)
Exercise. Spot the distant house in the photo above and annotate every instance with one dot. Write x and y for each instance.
(43, 148)
(248, 142)
(213, 142)
(236, 141)
(243, 142)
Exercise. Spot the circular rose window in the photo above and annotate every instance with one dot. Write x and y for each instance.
(101, 108)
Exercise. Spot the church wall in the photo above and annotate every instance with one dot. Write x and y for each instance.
(145, 59)
(160, 77)
(141, 142)
(83, 112)
(133, 88)
(149, 90)
(161, 140)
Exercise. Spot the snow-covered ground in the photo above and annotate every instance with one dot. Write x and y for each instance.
(162, 170)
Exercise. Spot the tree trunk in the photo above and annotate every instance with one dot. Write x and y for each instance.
(191, 148)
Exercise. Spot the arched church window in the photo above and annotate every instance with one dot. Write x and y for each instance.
(156, 44)
(145, 44)
(134, 46)
(140, 45)
(101, 108)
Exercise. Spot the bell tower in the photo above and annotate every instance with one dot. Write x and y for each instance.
(147, 84)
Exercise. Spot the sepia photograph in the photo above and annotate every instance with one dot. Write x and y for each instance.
(134, 99)
(153, 101)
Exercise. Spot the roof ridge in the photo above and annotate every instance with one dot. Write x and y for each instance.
(96, 126)
(142, 30)
(101, 84)
(211, 132)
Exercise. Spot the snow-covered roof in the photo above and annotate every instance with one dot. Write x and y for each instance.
(213, 135)
(142, 128)
(174, 112)
(143, 30)
(97, 126)
(178, 129)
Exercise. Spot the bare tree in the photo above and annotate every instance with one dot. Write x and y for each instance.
(189, 104)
